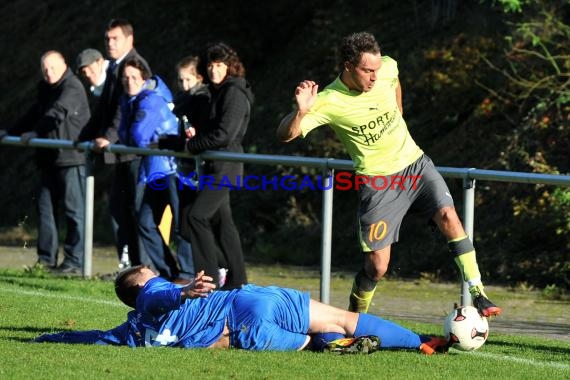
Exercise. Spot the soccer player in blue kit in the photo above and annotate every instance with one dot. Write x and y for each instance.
(251, 318)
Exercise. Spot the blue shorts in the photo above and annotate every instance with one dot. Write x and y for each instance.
(269, 318)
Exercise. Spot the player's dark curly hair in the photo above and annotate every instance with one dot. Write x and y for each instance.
(220, 52)
(126, 285)
(356, 44)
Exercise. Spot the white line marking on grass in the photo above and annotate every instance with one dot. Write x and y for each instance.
(60, 296)
(531, 362)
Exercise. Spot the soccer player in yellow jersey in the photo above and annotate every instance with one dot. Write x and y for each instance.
(364, 108)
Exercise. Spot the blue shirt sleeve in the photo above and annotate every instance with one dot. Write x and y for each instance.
(118, 336)
(159, 296)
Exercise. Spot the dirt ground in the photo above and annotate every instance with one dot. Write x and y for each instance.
(523, 315)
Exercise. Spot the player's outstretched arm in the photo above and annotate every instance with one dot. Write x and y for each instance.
(200, 286)
(305, 96)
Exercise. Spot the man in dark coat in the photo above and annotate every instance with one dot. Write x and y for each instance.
(103, 128)
(61, 112)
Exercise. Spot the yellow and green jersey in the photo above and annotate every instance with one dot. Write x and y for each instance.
(369, 124)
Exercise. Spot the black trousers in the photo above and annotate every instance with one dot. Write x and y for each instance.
(215, 240)
(125, 197)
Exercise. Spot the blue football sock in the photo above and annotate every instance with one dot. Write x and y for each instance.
(391, 335)
(319, 341)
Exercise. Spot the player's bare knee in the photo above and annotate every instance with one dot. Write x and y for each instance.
(377, 272)
(376, 264)
(381, 271)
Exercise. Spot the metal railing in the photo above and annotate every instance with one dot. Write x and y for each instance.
(327, 165)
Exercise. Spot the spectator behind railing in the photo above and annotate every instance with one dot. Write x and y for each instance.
(103, 128)
(60, 111)
(146, 115)
(91, 65)
(192, 107)
(211, 229)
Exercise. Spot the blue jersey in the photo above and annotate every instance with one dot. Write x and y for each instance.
(162, 320)
(258, 318)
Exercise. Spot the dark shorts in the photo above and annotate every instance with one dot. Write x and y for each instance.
(385, 200)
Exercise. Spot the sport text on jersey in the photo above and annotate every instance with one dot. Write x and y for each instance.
(373, 131)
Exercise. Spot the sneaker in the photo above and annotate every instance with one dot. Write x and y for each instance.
(485, 307)
(435, 344)
(125, 262)
(67, 270)
(44, 265)
(361, 345)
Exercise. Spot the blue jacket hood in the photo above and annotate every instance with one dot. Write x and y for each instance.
(156, 84)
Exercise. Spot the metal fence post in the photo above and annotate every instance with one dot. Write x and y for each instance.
(468, 224)
(326, 234)
(89, 199)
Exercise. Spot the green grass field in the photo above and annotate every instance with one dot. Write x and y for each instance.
(32, 303)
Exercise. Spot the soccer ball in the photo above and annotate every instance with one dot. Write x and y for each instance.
(466, 329)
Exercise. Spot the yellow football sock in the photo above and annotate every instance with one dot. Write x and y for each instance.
(466, 260)
(467, 264)
(360, 300)
(476, 290)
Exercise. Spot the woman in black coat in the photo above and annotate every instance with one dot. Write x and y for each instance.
(211, 229)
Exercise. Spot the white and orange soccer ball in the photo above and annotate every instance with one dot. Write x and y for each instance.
(466, 329)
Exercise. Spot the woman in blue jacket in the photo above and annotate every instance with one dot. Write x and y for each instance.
(145, 116)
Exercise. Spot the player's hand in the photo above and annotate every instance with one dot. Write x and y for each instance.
(200, 286)
(306, 95)
(26, 137)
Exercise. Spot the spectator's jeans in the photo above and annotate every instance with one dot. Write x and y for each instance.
(65, 186)
(124, 201)
(154, 201)
(214, 237)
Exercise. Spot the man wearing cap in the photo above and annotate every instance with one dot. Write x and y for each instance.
(93, 67)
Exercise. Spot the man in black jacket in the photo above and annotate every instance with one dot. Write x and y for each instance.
(61, 111)
(102, 129)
